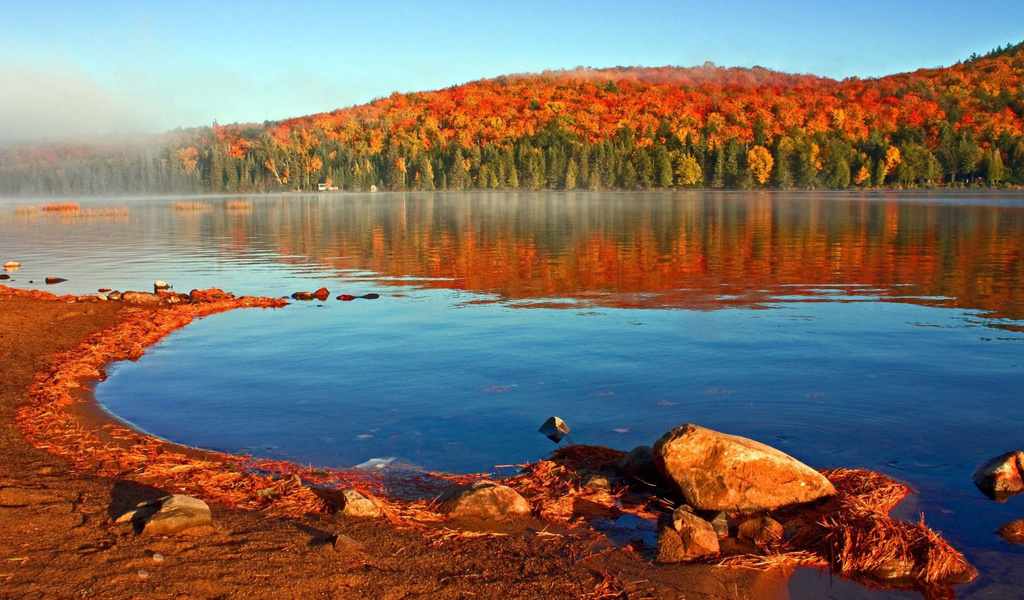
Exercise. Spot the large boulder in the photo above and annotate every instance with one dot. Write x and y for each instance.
(716, 471)
(685, 537)
(484, 500)
(1002, 476)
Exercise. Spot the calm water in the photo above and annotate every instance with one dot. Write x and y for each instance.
(883, 331)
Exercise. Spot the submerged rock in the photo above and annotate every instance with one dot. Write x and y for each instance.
(685, 537)
(53, 280)
(141, 298)
(370, 296)
(1002, 476)
(716, 471)
(484, 500)
(346, 297)
(638, 464)
(1013, 531)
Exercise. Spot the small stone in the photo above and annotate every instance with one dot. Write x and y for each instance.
(143, 574)
(638, 464)
(343, 543)
(53, 280)
(103, 290)
(358, 506)
(346, 297)
(157, 557)
(554, 428)
(322, 294)
(761, 529)
(139, 298)
(303, 295)
(596, 481)
(178, 513)
(484, 500)
(159, 285)
(685, 537)
(12, 265)
(370, 296)
(1002, 476)
(4, 276)
(101, 297)
(1013, 531)
(114, 296)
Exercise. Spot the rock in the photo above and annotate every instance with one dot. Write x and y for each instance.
(346, 297)
(100, 296)
(172, 299)
(761, 530)
(303, 295)
(595, 481)
(12, 265)
(719, 472)
(356, 505)
(177, 513)
(103, 290)
(4, 276)
(114, 296)
(343, 543)
(638, 464)
(140, 513)
(53, 280)
(140, 298)
(159, 286)
(1002, 476)
(554, 428)
(1013, 531)
(685, 537)
(209, 295)
(484, 500)
(370, 296)
(721, 522)
(716, 471)
(322, 294)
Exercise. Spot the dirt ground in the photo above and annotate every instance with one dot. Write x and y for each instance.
(58, 538)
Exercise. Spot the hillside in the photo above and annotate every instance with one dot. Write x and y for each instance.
(622, 128)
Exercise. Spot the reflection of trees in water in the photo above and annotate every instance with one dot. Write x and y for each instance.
(651, 250)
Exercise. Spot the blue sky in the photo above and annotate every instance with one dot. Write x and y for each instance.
(102, 68)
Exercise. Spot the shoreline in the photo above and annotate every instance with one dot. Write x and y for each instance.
(271, 490)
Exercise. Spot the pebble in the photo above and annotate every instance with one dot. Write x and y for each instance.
(143, 574)
(158, 557)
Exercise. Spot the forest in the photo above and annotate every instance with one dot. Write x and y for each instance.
(595, 129)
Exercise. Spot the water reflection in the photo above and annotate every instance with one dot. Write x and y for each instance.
(627, 250)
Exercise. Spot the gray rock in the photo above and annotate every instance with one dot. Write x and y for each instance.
(638, 464)
(484, 500)
(685, 537)
(716, 471)
(1002, 476)
(139, 298)
(554, 428)
(356, 505)
(177, 513)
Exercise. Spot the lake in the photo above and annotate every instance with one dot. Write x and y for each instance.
(878, 330)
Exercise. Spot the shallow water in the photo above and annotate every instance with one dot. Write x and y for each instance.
(880, 330)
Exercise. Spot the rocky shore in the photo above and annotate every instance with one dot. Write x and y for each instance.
(87, 506)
